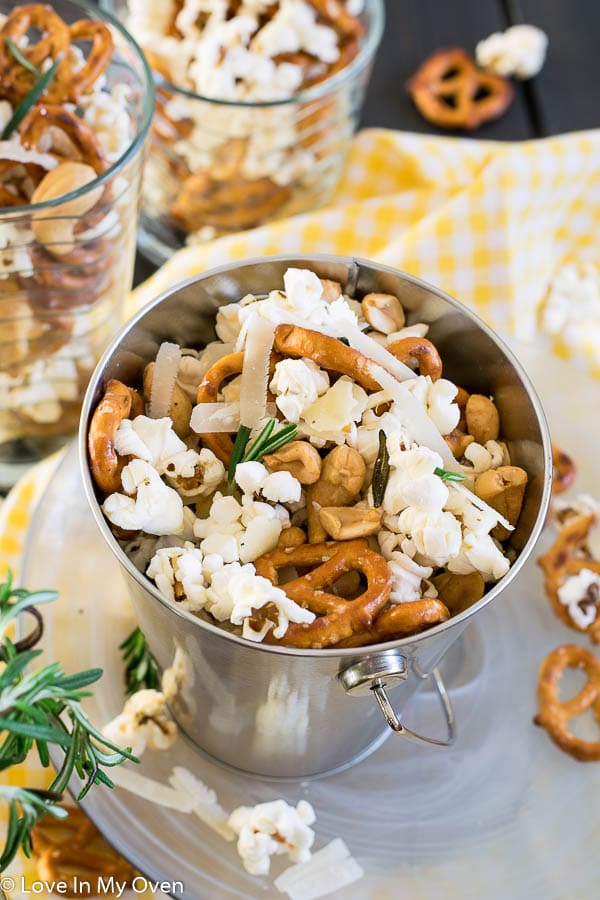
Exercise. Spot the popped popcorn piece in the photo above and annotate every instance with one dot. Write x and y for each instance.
(237, 592)
(518, 51)
(143, 725)
(156, 509)
(250, 476)
(178, 573)
(270, 829)
(441, 409)
(573, 298)
(281, 487)
(241, 531)
(436, 535)
(412, 481)
(484, 457)
(296, 384)
(581, 595)
(407, 578)
(479, 553)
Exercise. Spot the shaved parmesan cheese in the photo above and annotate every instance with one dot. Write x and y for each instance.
(414, 417)
(255, 372)
(164, 376)
(375, 351)
(326, 871)
(212, 418)
(153, 791)
(206, 805)
(481, 504)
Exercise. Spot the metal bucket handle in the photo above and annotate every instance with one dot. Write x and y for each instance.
(375, 673)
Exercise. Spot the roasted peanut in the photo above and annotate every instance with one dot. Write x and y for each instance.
(458, 592)
(483, 421)
(342, 476)
(504, 489)
(343, 523)
(291, 537)
(181, 406)
(299, 458)
(383, 312)
(331, 290)
(55, 227)
(458, 442)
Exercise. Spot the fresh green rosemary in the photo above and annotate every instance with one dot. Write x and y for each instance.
(267, 441)
(30, 99)
(141, 670)
(22, 60)
(39, 708)
(446, 475)
(239, 447)
(381, 471)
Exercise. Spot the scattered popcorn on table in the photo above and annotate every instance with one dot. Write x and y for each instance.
(518, 51)
(143, 725)
(581, 595)
(270, 829)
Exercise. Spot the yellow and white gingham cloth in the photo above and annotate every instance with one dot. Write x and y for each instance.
(490, 223)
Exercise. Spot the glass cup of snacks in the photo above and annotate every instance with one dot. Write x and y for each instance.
(256, 103)
(76, 100)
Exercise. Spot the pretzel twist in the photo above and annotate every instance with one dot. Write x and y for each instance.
(41, 118)
(16, 81)
(561, 561)
(449, 90)
(208, 391)
(336, 618)
(554, 715)
(422, 351)
(401, 620)
(73, 84)
(119, 402)
(327, 352)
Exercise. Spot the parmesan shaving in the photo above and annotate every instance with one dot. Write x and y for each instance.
(164, 376)
(328, 870)
(153, 791)
(481, 504)
(375, 351)
(206, 805)
(414, 417)
(255, 371)
(215, 418)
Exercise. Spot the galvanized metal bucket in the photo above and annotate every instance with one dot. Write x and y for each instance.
(280, 712)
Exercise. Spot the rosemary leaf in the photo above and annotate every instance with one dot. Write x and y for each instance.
(22, 60)
(30, 99)
(253, 452)
(141, 670)
(381, 471)
(239, 447)
(446, 475)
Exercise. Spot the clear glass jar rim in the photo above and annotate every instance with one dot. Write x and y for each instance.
(98, 13)
(367, 50)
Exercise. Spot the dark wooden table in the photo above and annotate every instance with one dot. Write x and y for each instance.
(563, 97)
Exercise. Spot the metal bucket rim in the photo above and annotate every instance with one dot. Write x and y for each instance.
(347, 653)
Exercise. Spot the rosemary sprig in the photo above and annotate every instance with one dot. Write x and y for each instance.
(30, 99)
(38, 708)
(344, 340)
(269, 440)
(22, 60)
(241, 440)
(446, 475)
(141, 670)
(381, 471)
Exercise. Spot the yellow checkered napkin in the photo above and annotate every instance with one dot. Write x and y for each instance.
(490, 223)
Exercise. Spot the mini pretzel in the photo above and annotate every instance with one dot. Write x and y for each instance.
(72, 850)
(420, 349)
(560, 562)
(327, 352)
(54, 39)
(554, 715)
(234, 204)
(401, 620)
(449, 90)
(74, 84)
(119, 402)
(565, 470)
(80, 278)
(336, 617)
(85, 143)
(208, 390)
(336, 13)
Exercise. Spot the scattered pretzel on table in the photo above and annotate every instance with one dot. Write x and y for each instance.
(450, 91)
(554, 715)
(336, 617)
(565, 470)
(73, 850)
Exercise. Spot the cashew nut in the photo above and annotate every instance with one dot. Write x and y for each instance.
(55, 227)
(458, 442)
(383, 312)
(291, 537)
(504, 489)
(458, 592)
(344, 523)
(331, 290)
(181, 406)
(483, 421)
(342, 476)
(299, 458)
